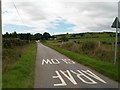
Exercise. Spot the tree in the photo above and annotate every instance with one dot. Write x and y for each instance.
(38, 36)
(6, 35)
(46, 36)
(53, 37)
(25, 36)
(14, 35)
(81, 34)
(73, 35)
(64, 38)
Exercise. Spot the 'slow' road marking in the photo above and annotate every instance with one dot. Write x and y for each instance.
(80, 74)
(68, 61)
(57, 61)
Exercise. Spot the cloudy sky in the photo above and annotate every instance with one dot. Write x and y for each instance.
(58, 16)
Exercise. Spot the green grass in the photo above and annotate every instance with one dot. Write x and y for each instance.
(108, 69)
(102, 39)
(21, 73)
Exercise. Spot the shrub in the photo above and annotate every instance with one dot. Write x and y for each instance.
(64, 38)
(104, 53)
(89, 45)
(7, 43)
(67, 45)
(12, 42)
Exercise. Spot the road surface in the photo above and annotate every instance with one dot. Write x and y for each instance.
(54, 70)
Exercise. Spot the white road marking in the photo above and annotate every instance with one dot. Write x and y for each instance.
(67, 73)
(88, 72)
(69, 76)
(46, 61)
(63, 83)
(55, 61)
(82, 74)
(68, 61)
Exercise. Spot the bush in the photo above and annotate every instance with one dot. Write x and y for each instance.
(64, 38)
(7, 44)
(67, 45)
(104, 53)
(89, 45)
(72, 47)
(107, 43)
(11, 43)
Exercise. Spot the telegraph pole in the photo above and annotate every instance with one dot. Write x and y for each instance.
(0, 47)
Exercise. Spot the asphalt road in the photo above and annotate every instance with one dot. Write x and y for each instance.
(54, 70)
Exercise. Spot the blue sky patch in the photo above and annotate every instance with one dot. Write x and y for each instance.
(61, 26)
(17, 28)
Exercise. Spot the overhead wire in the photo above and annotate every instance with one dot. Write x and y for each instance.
(18, 12)
(19, 15)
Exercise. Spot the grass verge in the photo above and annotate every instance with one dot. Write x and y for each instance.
(108, 69)
(21, 73)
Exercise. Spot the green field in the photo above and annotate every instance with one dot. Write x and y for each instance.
(82, 43)
(20, 73)
(108, 37)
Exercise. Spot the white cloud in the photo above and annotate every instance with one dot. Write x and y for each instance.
(39, 13)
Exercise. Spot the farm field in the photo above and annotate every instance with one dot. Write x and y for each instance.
(97, 45)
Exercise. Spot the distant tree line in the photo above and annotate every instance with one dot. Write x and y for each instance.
(28, 36)
(10, 40)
